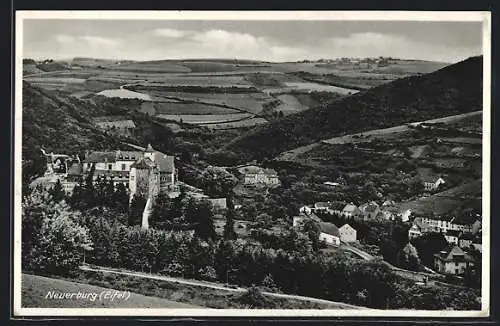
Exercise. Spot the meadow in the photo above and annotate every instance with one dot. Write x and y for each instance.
(35, 288)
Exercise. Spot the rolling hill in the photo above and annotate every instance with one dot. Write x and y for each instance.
(451, 90)
(57, 124)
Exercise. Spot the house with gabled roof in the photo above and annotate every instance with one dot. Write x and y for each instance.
(453, 261)
(350, 210)
(370, 210)
(347, 233)
(419, 228)
(430, 180)
(253, 174)
(329, 234)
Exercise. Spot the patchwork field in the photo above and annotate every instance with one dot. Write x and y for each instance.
(205, 118)
(250, 122)
(191, 108)
(290, 104)
(187, 88)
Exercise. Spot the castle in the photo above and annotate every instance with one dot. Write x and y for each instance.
(145, 173)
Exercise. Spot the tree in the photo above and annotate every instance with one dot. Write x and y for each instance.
(311, 228)
(229, 233)
(200, 214)
(60, 244)
(269, 284)
(57, 192)
(408, 258)
(254, 298)
(217, 181)
(208, 273)
(160, 217)
(120, 198)
(136, 209)
(428, 245)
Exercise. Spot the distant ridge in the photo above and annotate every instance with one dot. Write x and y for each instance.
(451, 90)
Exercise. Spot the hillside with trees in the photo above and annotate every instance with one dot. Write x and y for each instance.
(451, 90)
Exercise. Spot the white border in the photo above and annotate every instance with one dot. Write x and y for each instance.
(471, 16)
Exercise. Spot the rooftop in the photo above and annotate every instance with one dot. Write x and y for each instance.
(454, 254)
(350, 208)
(337, 205)
(329, 228)
(253, 169)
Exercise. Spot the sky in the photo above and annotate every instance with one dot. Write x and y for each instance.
(259, 40)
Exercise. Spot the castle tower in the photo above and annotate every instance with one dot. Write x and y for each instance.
(149, 153)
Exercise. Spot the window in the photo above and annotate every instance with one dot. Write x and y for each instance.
(124, 167)
(131, 178)
(110, 166)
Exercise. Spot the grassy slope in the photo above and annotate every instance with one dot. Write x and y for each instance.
(35, 288)
(452, 90)
(59, 123)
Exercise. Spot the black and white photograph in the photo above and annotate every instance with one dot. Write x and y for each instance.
(176, 163)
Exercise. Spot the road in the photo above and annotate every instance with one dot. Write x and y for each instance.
(292, 154)
(217, 286)
(398, 129)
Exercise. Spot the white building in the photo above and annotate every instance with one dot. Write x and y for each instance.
(256, 175)
(347, 233)
(329, 234)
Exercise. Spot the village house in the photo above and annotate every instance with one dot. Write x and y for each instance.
(218, 203)
(115, 124)
(419, 228)
(329, 234)
(335, 207)
(347, 233)
(452, 236)
(321, 206)
(465, 240)
(350, 210)
(253, 174)
(430, 180)
(298, 221)
(445, 223)
(453, 261)
(62, 168)
(370, 210)
(332, 184)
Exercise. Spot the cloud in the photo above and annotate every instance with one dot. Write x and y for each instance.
(99, 41)
(64, 39)
(170, 33)
(165, 43)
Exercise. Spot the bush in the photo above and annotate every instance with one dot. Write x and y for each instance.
(254, 298)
